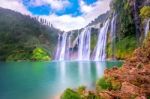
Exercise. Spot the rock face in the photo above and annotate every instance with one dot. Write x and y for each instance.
(134, 76)
(136, 5)
(129, 88)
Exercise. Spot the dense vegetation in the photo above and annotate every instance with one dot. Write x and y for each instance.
(126, 40)
(21, 35)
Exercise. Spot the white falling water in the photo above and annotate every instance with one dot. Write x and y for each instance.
(84, 44)
(100, 54)
(68, 51)
(63, 47)
(58, 47)
(113, 35)
(147, 27)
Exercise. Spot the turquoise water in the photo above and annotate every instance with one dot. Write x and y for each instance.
(45, 80)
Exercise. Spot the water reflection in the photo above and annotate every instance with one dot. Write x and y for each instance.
(100, 67)
(63, 72)
(43, 80)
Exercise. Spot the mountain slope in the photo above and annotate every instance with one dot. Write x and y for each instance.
(22, 34)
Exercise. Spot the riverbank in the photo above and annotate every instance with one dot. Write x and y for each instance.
(131, 81)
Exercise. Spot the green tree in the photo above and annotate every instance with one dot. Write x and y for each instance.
(40, 54)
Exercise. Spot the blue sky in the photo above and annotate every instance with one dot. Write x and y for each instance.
(46, 9)
(63, 14)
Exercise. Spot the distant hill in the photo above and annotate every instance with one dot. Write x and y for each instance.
(22, 34)
(100, 19)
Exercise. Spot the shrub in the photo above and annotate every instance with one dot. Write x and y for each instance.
(104, 84)
(81, 89)
(40, 54)
(108, 84)
(70, 94)
(145, 12)
(116, 85)
(125, 47)
(92, 96)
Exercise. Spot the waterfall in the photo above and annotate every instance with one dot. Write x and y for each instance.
(69, 45)
(147, 27)
(100, 54)
(61, 47)
(84, 44)
(79, 48)
(58, 47)
(113, 35)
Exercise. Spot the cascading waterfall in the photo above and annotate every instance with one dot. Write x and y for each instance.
(62, 47)
(100, 54)
(58, 47)
(68, 51)
(147, 27)
(80, 48)
(84, 44)
(113, 35)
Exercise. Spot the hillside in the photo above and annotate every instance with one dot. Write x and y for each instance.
(100, 19)
(20, 35)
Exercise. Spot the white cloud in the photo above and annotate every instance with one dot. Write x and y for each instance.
(64, 22)
(84, 7)
(55, 4)
(90, 12)
(15, 5)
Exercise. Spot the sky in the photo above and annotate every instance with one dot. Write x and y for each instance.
(63, 14)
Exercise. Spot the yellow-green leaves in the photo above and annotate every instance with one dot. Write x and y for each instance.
(40, 54)
(145, 12)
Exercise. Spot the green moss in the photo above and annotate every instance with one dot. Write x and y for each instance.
(70, 94)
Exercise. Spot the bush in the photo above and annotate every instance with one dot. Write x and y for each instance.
(145, 12)
(40, 54)
(116, 85)
(108, 84)
(125, 47)
(81, 89)
(19, 55)
(104, 84)
(92, 96)
(70, 94)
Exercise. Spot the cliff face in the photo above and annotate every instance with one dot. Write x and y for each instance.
(132, 80)
(134, 76)
(136, 5)
(130, 26)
